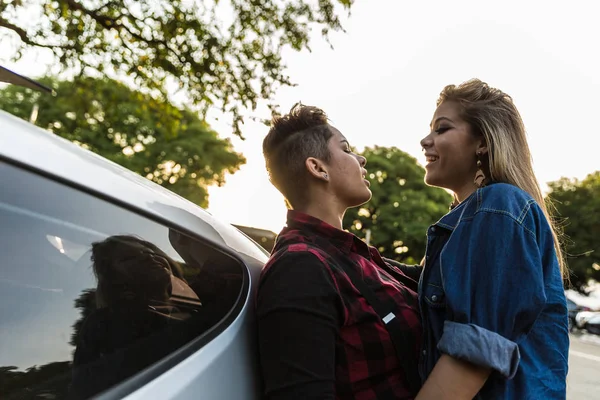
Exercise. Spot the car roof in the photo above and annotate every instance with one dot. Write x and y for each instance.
(41, 150)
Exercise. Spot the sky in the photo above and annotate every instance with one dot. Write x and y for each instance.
(380, 82)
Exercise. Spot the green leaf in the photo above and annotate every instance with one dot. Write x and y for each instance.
(221, 54)
(173, 147)
(402, 207)
(577, 204)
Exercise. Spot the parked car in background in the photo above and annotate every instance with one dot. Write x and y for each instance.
(592, 324)
(582, 318)
(574, 309)
(113, 286)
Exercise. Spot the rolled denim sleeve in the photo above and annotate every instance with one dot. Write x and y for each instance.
(485, 348)
(494, 286)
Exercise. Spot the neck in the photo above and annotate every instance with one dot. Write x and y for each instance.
(328, 212)
(464, 192)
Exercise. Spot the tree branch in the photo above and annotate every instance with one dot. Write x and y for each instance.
(113, 23)
(103, 20)
(110, 3)
(22, 33)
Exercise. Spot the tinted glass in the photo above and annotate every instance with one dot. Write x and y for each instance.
(91, 293)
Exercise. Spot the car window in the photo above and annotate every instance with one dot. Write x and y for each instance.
(92, 293)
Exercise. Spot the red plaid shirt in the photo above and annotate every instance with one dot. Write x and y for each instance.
(318, 337)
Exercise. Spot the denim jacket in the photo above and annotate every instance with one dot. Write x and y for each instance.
(491, 293)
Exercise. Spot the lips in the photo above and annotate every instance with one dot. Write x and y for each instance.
(430, 159)
(364, 176)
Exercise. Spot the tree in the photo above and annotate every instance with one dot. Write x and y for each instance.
(168, 145)
(578, 205)
(402, 207)
(50, 380)
(220, 52)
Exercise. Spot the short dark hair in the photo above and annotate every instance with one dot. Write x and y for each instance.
(302, 133)
(126, 271)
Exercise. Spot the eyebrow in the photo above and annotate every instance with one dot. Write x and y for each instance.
(345, 141)
(440, 119)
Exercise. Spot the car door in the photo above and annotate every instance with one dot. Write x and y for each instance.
(98, 299)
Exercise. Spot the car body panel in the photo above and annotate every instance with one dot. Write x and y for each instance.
(226, 367)
(41, 150)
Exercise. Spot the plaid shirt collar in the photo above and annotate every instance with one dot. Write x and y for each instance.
(343, 240)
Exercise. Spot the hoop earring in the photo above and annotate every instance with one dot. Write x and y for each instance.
(479, 180)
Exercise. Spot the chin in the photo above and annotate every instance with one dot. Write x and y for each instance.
(362, 199)
(430, 180)
(438, 183)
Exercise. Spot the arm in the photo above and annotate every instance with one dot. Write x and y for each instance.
(299, 313)
(494, 290)
(453, 379)
(412, 271)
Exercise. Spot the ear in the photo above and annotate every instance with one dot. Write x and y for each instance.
(317, 168)
(482, 147)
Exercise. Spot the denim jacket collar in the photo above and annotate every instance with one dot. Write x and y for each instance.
(451, 219)
(464, 210)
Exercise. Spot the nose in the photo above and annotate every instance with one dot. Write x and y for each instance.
(362, 161)
(427, 142)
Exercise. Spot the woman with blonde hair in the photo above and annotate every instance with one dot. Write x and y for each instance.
(491, 294)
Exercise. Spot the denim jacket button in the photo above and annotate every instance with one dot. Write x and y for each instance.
(434, 298)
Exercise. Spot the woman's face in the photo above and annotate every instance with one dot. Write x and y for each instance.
(346, 172)
(451, 150)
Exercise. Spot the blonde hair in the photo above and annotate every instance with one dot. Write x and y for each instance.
(492, 114)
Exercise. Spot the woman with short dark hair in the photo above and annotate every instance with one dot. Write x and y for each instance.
(335, 320)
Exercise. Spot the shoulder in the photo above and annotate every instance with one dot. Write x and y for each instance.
(297, 277)
(508, 200)
(298, 264)
(293, 253)
(502, 196)
(505, 208)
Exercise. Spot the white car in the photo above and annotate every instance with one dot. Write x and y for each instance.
(583, 317)
(112, 286)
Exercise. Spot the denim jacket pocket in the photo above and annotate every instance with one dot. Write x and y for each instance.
(435, 296)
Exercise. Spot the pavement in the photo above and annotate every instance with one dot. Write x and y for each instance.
(583, 381)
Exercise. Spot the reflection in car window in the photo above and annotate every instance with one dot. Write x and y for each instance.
(91, 294)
